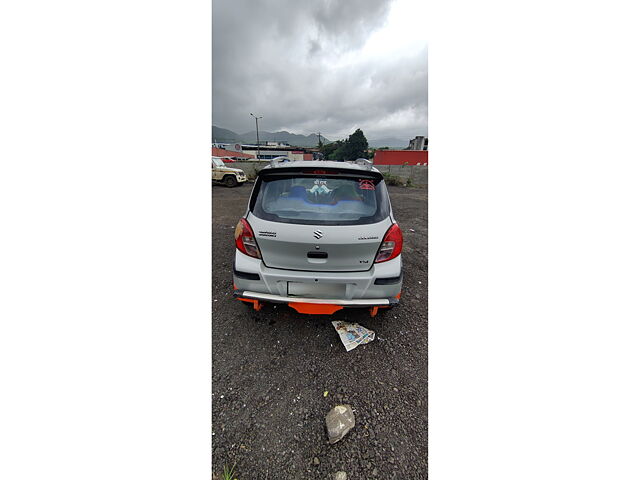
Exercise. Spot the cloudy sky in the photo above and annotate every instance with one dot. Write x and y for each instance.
(321, 65)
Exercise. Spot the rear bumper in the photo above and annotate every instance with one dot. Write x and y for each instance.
(382, 281)
(356, 303)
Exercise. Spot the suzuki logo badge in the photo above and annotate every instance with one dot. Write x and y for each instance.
(317, 234)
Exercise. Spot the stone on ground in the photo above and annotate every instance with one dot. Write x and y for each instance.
(339, 421)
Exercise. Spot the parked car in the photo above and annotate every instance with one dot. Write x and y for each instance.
(319, 236)
(228, 176)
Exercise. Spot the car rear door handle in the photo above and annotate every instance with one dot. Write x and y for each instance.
(317, 255)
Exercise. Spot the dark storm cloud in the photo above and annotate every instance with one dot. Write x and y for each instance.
(285, 60)
(347, 24)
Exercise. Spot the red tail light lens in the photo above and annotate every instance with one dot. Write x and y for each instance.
(391, 244)
(245, 241)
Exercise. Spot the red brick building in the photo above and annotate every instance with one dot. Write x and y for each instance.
(401, 157)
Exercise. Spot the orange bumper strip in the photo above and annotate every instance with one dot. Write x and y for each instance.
(257, 305)
(315, 308)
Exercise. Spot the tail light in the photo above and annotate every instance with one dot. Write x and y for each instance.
(245, 241)
(391, 244)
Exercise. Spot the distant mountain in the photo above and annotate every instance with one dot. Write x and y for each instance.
(227, 136)
(389, 142)
(283, 136)
(223, 135)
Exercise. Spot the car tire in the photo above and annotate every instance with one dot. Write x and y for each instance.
(230, 181)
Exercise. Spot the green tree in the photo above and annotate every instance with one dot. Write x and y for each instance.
(329, 149)
(338, 154)
(356, 146)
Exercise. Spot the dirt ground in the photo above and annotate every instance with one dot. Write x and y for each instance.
(272, 367)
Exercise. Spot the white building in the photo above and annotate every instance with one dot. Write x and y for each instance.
(418, 143)
(267, 152)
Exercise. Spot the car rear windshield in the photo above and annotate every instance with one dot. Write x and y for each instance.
(322, 200)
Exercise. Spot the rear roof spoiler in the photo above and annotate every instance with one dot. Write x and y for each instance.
(275, 161)
(278, 161)
(285, 170)
(364, 162)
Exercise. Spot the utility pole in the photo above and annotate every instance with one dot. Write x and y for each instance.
(257, 135)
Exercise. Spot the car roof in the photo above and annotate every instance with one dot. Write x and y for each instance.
(322, 164)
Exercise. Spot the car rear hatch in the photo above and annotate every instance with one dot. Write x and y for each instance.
(310, 219)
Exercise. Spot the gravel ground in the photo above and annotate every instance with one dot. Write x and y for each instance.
(271, 368)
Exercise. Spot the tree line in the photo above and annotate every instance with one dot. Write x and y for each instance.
(352, 148)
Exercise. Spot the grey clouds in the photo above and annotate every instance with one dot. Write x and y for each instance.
(326, 65)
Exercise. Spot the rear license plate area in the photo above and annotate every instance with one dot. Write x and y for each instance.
(316, 290)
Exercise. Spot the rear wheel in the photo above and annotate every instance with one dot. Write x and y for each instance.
(230, 181)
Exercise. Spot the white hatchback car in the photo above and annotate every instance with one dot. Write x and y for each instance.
(319, 236)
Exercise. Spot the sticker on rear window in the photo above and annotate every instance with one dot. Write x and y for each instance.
(366, 184)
